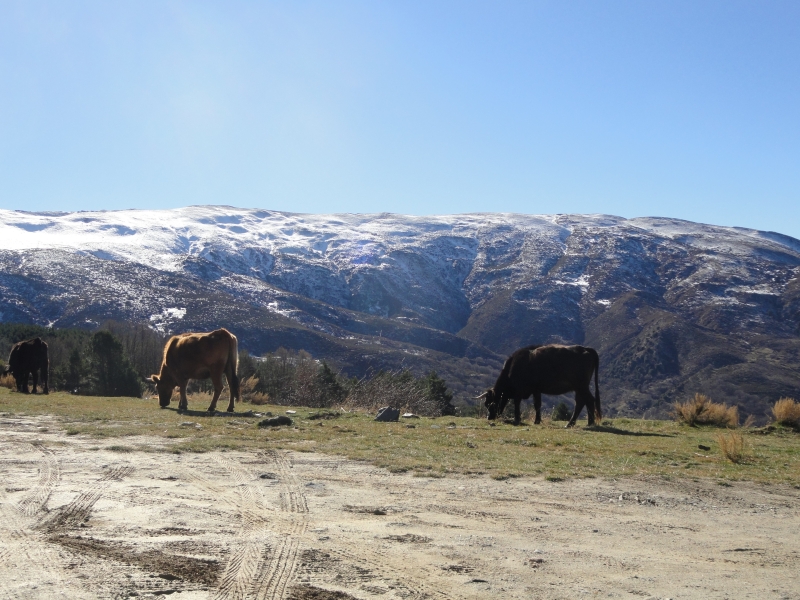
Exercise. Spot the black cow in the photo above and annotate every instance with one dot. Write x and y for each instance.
(548, 370)
(29, 358)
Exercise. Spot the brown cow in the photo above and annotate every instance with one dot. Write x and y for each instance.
(198, 356)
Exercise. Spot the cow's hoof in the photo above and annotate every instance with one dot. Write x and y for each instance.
(568, 425)
(537, 422)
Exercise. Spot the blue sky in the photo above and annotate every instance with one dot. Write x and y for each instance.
(648, 108)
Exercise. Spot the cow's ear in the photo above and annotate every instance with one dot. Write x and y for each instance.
(152, 379)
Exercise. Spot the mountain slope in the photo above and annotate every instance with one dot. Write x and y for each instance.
(673, 307)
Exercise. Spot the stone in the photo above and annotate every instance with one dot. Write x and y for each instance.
(275, 421)
(387, 413)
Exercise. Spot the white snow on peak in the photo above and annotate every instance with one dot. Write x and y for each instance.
(164, 239)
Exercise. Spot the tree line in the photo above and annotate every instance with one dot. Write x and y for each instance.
(111, 361)
(293, 378)
(115, 359)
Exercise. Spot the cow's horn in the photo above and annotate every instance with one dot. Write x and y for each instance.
(483, 395)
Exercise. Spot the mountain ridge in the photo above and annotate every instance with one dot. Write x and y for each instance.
(673, 306)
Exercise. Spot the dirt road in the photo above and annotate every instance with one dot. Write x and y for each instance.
(82, 518)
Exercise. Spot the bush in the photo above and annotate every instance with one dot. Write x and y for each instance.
(733, 446)
(8, 381)
(561, 412)
(247, 388)
(787, 412)
(427, 396)
(702, 411)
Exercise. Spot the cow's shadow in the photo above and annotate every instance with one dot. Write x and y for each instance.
(204, 413)
(616, 431)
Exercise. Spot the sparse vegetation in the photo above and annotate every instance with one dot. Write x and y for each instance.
(427, 396)
(620, 448)
(787, 412)
(732, 445)
(8, 381)
(700, 410)
(561, 412)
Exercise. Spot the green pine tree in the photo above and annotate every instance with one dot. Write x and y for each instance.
(112, 373)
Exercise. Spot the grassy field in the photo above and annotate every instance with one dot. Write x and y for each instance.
(430, 447)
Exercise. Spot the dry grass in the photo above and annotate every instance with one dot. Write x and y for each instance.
(8, 381)
(787, 412)
(247, 387)
(733, 446)
(700, 410)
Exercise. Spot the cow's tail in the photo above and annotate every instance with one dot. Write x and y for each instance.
(598, 413)
(232, 367)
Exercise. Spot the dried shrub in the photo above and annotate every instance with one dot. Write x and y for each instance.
(700, 410)
(787, 412)
(732, 445)
(249, 392)
(399, 390)
(8, 381)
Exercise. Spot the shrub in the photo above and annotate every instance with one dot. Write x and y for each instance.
(426, 396)
(8, 381)
(561, 412)
(700, 410)
(787, 412)
(249, 393)
(733, 446)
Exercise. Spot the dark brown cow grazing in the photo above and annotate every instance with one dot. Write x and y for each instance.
(29, 358)
(198, 356)
(548, 370)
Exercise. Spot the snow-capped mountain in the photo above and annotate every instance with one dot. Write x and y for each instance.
(673, 307)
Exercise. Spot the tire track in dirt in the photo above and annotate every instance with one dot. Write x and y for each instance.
(365, 564)
(278, 571)
(77, 511)
(24, 550)
(240, 573)
(49, 476)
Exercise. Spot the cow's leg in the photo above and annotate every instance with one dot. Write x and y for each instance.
(184, 402)
(537, 405)
(589, 402)
(45, 386)
(217, 381)
(35, 374)
(517, 414)
(25, 389)
(579, 401)
(231, 408)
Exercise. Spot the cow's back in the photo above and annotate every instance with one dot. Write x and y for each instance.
(553, 367)
(28, 355)
(193, 355)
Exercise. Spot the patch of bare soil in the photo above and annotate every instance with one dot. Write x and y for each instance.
(80, 520)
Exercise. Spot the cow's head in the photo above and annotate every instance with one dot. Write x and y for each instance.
(164, 386)
(490, 402)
